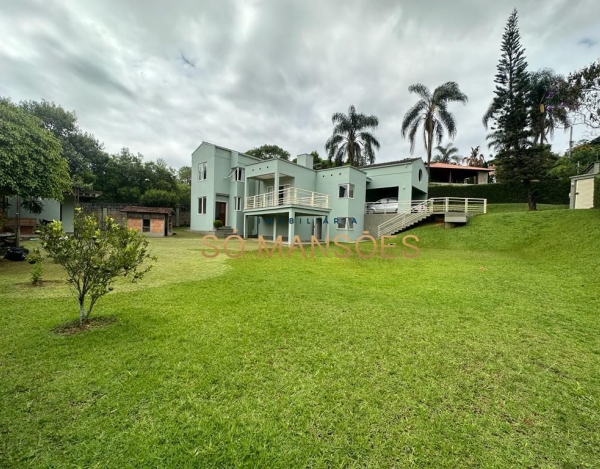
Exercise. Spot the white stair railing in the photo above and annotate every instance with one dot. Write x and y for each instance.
(420, 210)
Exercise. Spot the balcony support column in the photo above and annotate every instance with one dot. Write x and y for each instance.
(291, 216)
(276, 189)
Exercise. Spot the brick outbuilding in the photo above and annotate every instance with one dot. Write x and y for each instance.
(152, 221)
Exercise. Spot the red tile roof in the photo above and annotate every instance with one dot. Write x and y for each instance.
(137, 209)
(457, 166)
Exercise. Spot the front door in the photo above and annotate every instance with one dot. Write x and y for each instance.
(221, 212)
(584, 193)
(318, 228)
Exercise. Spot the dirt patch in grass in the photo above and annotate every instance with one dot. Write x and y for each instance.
(73, 327)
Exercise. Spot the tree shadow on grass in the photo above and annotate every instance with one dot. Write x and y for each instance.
(73, 327)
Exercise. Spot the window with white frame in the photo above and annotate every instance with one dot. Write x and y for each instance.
(202, 171)
(345, 223)
(237, 204)
(238, 174)
(201, 205)
(346, 191)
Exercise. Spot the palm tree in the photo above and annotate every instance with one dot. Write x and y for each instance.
(457, 159)
(446, 154)
(544, 118)
(352, 140)
(475, 158)
(432, 112)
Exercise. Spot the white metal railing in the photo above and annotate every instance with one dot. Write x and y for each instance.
(419, 210)
(287, 196)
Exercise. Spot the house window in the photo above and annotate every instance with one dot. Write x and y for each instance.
(345, 223)
(201, 205)
(146, 225)
(202, 171)
(237, 204)
(238, 174)
(346, 191)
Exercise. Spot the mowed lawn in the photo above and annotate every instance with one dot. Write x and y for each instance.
(482, 352)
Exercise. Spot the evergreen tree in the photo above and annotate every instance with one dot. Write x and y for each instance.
(516, 160)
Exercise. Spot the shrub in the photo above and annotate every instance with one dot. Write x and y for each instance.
(37, 271)
(94, 258)
(217, 224)
(546, 192)
(597, 192)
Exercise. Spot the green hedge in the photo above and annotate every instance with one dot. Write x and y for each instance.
(597, 192)
(546, 192)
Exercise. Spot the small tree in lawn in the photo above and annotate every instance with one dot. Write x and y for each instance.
(94, 258)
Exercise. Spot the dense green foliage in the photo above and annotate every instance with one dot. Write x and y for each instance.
(513, 121)
(94, 258)
(597, 192)
(159, 198)
(544, 117)
(578, 160)
(352, 141)
(31, 165)
(269, 151)
(546, 192)
(431, 113)
(482, 352)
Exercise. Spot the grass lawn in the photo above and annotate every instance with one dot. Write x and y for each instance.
(482, 352)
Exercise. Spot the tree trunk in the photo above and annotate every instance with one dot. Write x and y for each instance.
(18, 228)
(530, 196)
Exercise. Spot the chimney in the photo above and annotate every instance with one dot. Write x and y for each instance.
(305, 160)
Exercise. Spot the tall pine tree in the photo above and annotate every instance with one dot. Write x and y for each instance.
(516, 159)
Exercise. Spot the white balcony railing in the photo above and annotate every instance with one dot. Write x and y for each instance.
(287, 196)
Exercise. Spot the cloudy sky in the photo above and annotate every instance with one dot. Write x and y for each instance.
(159, 77)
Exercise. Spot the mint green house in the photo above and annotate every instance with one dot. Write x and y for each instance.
(276, 197)
(63, 211)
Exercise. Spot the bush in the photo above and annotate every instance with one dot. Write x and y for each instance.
(217, 224)
(546, 192)
(159, 198)
(95, 258)
(38, 267)
(597, 192)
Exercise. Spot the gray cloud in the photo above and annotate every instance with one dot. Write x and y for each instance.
(160, 77)
(587, 41)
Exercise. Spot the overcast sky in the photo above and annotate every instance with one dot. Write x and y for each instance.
(159, 77)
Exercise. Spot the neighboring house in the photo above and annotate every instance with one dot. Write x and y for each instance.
(152, 221)
(276, 197)
(582, 187)
(52, 210)
(446, 173)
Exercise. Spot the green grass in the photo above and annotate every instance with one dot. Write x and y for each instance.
(482, 352)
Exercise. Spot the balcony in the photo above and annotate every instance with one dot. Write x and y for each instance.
(288, 196)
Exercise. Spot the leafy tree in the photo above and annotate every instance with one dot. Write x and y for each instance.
(579, 93)
(544, 116)
(265, 152)
(516, 159)
(352, 141)
(577, 160)
(31, 166)
(159, 198)
(446, 154)
(431, 112)
(184, 175)
(95, 258)
(85, 155)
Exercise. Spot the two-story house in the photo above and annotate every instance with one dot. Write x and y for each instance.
(276, 197)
